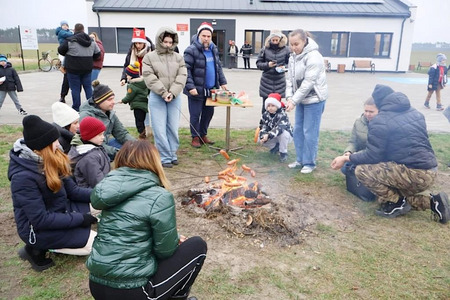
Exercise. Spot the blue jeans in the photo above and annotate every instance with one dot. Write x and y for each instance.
(76, 81)
(94, 74)
(165, 118)
(306, 132)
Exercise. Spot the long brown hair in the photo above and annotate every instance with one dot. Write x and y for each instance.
(55, 165)
(141, 154)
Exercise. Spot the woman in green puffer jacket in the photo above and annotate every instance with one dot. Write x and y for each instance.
(138, 253)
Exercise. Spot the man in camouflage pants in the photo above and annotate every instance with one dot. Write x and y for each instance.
(398, 164)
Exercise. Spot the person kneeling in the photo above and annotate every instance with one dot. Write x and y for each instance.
(275, 130)
(50, 210)
(160, 264)
(399, 164)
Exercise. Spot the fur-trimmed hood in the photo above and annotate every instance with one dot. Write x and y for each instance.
(276, 32)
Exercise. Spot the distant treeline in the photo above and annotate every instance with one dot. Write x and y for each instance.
(431, 46)
(11, 35)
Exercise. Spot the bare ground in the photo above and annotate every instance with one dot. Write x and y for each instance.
(290, 222)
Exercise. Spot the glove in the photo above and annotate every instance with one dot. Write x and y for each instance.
(88, 219)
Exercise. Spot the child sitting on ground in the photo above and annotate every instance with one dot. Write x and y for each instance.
(137, 96)
(9, 83)
(275, 128)
(89, 160)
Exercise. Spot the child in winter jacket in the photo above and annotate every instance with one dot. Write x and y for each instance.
(137, 93)
(275, 130)
(437, 78)
(9, 83)
(90, 162)
(63, 32)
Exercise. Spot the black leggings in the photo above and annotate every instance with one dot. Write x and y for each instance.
(139, 118)
(174, 276)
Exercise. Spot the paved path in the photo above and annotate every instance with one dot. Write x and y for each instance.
(347, 94)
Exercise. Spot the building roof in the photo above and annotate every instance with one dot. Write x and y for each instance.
(354, 8)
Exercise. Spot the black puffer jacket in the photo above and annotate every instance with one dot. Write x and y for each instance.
(271, 80)
(399, 134)
(12, 80)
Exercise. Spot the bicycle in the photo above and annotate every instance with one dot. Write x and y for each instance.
(46, 63)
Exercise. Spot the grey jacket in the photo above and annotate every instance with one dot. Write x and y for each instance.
(112, 123)
(164, 70)
(90, 163)
(306, 81)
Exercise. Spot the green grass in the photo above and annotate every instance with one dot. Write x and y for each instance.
(405, 258)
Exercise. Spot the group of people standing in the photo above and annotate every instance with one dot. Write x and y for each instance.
(57, 198)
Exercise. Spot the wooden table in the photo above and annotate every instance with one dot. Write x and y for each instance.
(209, 102)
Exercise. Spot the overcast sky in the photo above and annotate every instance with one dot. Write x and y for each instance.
(431, 24)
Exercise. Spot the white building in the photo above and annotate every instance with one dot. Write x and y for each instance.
(377, 30)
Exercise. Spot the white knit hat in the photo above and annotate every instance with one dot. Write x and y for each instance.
(63, 114)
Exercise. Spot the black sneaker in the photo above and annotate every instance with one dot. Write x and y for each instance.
(275, 149)
(283, 157)
(23, 112)
(440, 207)
(392, 210)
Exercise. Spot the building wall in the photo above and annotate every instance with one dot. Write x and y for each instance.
(398, 61)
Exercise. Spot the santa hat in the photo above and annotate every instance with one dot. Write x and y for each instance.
(274, 99)
(63, 114)
(133, 69)
(138, 36)
(90, 127)
(205, 25)
(277, 97)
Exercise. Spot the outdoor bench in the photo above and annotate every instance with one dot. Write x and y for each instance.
(363, 64)
(424, 64)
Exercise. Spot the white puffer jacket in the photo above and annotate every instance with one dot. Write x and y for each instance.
(306, 82)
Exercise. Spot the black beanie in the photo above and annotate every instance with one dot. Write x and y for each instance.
(37, 133)
(101, 92)
(380, 92)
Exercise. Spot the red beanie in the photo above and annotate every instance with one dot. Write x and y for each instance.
(90, 127)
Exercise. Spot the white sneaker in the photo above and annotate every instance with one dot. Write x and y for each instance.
(307, 169)
(295, 165)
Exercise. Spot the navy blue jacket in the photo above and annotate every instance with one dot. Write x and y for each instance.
(55, 218)
(196, 69)
(433, 77)
(398, 134)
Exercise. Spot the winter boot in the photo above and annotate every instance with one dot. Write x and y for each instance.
(36, 257)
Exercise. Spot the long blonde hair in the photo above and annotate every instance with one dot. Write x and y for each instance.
(141, 154)
(54, 165)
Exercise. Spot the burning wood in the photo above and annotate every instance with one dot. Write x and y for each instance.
(231, 190)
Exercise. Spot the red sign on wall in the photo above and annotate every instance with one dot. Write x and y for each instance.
(182, 27)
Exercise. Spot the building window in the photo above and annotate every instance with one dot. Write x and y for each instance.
(255, 38)
(124, 36)
(382, 44)
(339, 43)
